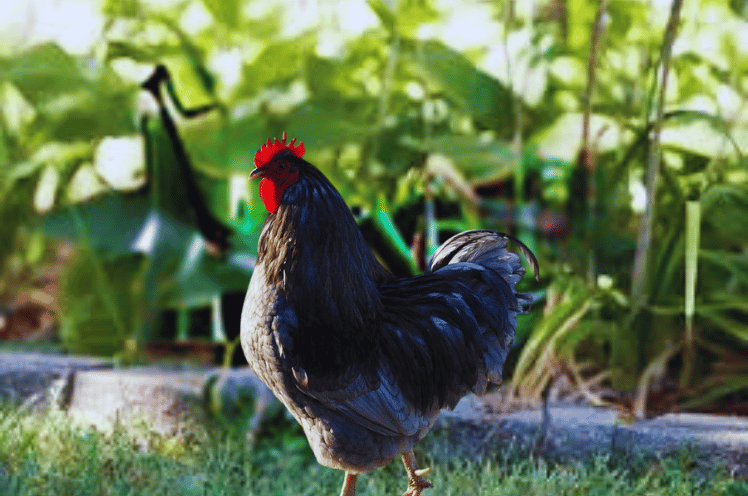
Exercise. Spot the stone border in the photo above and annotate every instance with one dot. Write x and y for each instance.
(168, 400)
(574, 432)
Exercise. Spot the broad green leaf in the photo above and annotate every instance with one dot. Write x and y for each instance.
(385, 14)
(699, 133)
(200, 278)
(278, 64)
(121, 8)
(107, 236)
(481, 161)
(44, 72)
(220, 148)
(487, 100)
(408, 17)
(88, 289)
(321, 125)
(224, 11)
(146, 54)
(563, 139)
(581, 17)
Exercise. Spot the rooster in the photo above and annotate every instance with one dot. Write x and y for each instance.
(365, 361)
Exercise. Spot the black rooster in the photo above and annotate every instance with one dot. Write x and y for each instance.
(365, 361)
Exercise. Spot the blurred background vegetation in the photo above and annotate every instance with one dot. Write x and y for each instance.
(609, 136)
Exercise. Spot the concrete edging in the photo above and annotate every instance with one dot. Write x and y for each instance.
(95, 393)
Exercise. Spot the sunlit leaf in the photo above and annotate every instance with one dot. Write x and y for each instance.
(482, 161)
(563, 139)
(278, 64)
(385, 14)
(224, 11)
(320, 125)
(472, 89)
(701, 134)
(392, 236)
(43, 72)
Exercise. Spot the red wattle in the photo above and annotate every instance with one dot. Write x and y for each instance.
(271, 193)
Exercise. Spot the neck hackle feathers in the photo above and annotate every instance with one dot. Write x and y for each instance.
(266, 153)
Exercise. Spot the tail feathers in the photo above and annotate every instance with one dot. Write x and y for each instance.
(489, 250)
(480, 246)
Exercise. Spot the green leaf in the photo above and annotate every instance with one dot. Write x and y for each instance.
(201, 280)
(44, 72)
(733, 327)
(481, 161)
(692, 243)
(386, 16)
(109, 238)
(278, 64)
(386, 225)
(219, 148)
(548, 334)
(409, 16)
(224, 11)
(88, 289)
(700, 133)
(321, 125)
(726, 385)
(481, 95)
(147, 54)
(725, 213)
(563, 139)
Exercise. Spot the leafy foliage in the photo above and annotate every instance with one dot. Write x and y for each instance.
(426, 129)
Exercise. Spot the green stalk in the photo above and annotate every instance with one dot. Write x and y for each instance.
(589, 153)
(644, 239)
(527, 233)
(183, 324)
(692, 242)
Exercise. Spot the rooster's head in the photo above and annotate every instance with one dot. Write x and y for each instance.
(277, 172)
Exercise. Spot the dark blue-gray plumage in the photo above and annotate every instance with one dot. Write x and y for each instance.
(365, 361)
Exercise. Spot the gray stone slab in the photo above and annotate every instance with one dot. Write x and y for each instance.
(29, 378)
(711, 439)
(169, 401)
(165, 401)
(573, 432)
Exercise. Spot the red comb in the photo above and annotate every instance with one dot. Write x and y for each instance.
(271, 148)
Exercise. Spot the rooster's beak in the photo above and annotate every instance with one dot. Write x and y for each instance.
(256, 173)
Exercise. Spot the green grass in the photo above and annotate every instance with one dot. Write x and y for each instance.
(45, 455)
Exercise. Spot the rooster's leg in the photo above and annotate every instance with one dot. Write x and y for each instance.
(349, 485)
(416, 482)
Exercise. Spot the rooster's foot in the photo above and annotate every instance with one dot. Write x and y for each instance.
(416, 485)
(416, 481)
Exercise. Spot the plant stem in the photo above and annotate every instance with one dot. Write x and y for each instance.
(589, 155)
(644, 238)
